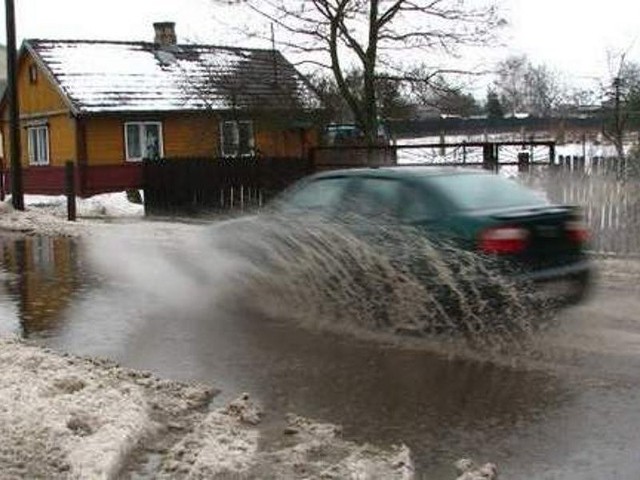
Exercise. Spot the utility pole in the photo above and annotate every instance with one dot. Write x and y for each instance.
(17, 196)
(619, 125)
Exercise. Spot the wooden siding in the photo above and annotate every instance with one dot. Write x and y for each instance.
(41, 96)
(279, 143)
(43, 180)
(62, 140)
(104, 141)
(284, 143)
(183, 136)
(189, 136)
(111, 178)
(41, 102)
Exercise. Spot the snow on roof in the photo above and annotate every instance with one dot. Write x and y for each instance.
(104, 76)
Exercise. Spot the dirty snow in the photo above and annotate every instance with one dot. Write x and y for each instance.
(47, 215)
(63, 416)
(66, 416)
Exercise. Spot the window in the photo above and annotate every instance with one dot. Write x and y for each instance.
(377, 198)
(33, 74)
(320, 196)
(485, 191)
(38, 138)
(237, 138)
(143, 140)
(419, 205)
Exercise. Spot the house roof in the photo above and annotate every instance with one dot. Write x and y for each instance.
(108, 76)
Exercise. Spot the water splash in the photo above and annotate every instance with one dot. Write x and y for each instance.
(361, 276)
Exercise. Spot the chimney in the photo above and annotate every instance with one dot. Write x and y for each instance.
(165, 33)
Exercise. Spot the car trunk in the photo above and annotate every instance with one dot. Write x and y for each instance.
(550, 239)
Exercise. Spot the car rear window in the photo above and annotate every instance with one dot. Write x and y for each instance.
(485, 191)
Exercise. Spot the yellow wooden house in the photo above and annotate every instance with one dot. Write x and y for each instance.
(108, 105)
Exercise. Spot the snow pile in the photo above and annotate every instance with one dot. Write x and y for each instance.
(70, 417)
(41, 220)
(468, 470)
(220, 445)
(226, 446)
(67, 416)
(319, 452)
(47, 215)
(103, 205)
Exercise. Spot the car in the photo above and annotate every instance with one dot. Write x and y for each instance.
(350, 134)
(534, 241)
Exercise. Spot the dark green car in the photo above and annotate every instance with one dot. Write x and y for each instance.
(532, 238)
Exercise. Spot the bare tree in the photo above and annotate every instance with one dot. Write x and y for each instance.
(394, 102)
(525, 87)
(375, 35)
(622, 104)
(443, 95)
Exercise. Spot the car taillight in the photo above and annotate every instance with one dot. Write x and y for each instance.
(503, 240)
(577, 231)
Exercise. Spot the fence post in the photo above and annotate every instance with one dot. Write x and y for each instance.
(70, 190)
(146, 193)
(524, 158)
(311, 160)
(489, 157)
(2, 182)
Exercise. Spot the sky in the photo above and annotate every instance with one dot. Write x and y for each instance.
(570, 36)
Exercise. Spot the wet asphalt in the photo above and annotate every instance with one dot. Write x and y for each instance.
(563, 407)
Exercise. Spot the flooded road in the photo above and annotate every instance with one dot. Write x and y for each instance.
(564, 409)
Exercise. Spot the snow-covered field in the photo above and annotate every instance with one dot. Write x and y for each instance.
(434, 154)
(63, 416)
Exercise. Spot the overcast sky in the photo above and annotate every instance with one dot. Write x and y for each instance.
(569, 35)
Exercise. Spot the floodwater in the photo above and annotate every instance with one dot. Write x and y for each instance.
(563, 407)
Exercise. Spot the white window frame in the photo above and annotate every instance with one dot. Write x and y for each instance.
(141, 127)
(236, 132)
(35, 147)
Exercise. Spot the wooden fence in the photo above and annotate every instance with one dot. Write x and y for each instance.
(187, 185)
(610, 201)
(193, 184)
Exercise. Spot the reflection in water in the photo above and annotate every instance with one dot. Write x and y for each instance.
(40, 278)
(442, 408)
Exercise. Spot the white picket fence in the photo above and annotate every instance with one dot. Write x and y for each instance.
(611, 205)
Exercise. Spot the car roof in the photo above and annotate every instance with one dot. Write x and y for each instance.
(402, 172)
